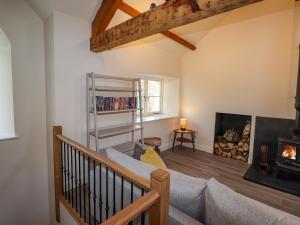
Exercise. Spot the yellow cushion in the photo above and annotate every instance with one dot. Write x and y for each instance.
(151, 157)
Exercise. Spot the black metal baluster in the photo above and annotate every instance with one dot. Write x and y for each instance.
(131, 194)
(122, 193)
(143, 192)
(94, 192)
(89, 189)
(106, 206)
(131, 198)
(72, 177)
(114, 193)
(100, 187)
(76, 194)
(65, 170)
(84, 188)
(143, 218)
(62, 167)
(143, 213)
(79, 183)
(68, 160)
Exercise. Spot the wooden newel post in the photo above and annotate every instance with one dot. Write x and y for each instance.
(57, 169)
(159, 212)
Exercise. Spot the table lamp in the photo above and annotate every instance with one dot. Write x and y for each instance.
(183, 123)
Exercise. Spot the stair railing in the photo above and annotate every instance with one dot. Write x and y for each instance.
(100, 198)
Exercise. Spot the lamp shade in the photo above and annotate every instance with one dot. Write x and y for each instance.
(183, 123)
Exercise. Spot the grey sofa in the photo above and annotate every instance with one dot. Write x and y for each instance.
(195, 201)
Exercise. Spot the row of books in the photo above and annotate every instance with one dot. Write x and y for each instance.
(115, 103)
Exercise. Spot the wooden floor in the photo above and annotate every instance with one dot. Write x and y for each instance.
(229, 172)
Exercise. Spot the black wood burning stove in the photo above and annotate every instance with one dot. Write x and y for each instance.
(288, 155)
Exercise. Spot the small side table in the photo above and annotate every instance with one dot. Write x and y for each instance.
(182, 139)
(154, 142)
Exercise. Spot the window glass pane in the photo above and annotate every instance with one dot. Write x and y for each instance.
(7, 127)
(153, 104)
(154, 88)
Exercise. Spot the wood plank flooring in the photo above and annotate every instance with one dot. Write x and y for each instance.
(229, 172)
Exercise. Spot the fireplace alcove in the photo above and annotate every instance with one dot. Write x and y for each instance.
(269, 131)
(232, 136)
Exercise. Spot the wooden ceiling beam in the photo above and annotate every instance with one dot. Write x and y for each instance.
(104, 15)
(133, 12)
(169, 15)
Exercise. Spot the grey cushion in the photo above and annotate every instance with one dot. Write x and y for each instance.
(186, 193)
(177, 217)
(224, 206)
(288, 220)
(138, 151)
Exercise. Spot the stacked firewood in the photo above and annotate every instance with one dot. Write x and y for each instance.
(237, 149)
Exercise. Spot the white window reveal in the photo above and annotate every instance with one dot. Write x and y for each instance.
(7, 126)
(152, 90)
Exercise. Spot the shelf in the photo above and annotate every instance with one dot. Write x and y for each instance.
(111, 77)
(186, 140)
(114, 89)
(114, 131)
(127, 147)
(114, 111)
(105, 86)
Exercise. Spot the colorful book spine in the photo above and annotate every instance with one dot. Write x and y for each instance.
(115, 103)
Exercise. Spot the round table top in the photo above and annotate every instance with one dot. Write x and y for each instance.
(186, 131)
(153, 141)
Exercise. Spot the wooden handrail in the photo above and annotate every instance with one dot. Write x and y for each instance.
(155, 201)
(140, 181)
(134, 210)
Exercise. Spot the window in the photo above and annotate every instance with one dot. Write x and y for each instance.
(152, 96)
(7, 127)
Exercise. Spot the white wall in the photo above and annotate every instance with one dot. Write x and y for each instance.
(50, 106)
(297, 22)
(7, 124)
(296, 44)
(23, 161)
(243, 66)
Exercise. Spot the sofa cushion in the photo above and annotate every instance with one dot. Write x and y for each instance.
(288, 220)
(177, 217)
(224, 206)
(186, 193)
(138, 151)
(151, 157)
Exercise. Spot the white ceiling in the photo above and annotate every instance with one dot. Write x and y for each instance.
(78, 8)
(43, 8)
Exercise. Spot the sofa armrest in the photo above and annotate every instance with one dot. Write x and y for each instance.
(177, 217)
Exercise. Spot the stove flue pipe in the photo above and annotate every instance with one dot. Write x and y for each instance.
(297, 104)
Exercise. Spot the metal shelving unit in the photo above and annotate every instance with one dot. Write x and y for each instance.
(106, 132)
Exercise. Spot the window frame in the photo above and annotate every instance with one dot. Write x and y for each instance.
(146, 95)
(8, 130)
